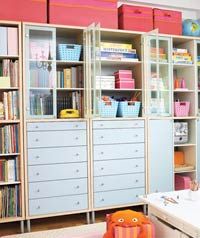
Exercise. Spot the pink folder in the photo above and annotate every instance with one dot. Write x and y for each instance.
(12, 41)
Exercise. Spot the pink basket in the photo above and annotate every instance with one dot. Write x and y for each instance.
(181, 109)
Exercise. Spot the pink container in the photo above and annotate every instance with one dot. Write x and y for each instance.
(124, 83)
(182, 182)
(125, 74)
(181, 109)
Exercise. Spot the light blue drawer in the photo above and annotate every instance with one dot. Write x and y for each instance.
(56, 126)
(118, 151)
(115, 182)
(57, 188)
(58, 204)
(56, 138)
(125, 166)
(114, 136)
(118, 124)
(57, 155)
(57, 171)
(119, 197)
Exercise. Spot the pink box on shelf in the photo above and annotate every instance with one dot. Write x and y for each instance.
(167, 21)
(24, 10)
(83, 13)
(125, 74)
(182, 182)
(135, 18)
(181, 109)
(125, 83)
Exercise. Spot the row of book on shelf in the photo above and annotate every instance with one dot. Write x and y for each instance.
(9, 136)
(70, 77)
(9, 106)
(9, 73)
(10, 202)
(9, 170)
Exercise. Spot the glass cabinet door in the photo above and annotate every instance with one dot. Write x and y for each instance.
(157, 59)
(93, 70)
(40, 60)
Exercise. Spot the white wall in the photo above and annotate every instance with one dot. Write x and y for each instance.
(189, 8)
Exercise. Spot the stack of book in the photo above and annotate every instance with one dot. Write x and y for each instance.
(9, 170)
(9, 108)
(70, 77)
(9, 135)
(117, 51)
(161, 54)
(181, 56)
(9, 69)
(10, 204)
(41, 78)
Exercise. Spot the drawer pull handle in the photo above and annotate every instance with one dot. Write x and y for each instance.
(76, 126)
(136, 166)
(36, 139)
(38, 207)
(36, 127)
(102, 184)
(102, 152)
(77, 203)
(156, 191)
(38, 190)
(101, 137)
(136, 124)
(136, 151)
(102, 168)
(37, 173)
(102, 200)
(76, 138)
(37, 156)
(136, 180)
(101, 125)
(77, 171)
(136, 135)
(77, 186)
(77, 154)
(137, 195)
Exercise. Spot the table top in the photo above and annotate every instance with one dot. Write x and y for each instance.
(186, 210)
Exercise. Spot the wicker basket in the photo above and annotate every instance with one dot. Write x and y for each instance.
(69, 52)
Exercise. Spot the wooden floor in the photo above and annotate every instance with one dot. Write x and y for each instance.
(54, 222)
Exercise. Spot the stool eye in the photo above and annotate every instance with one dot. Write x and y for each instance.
(121, 220)
(134, 219)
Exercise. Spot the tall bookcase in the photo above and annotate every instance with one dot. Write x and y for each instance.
(11, 125)
(56, 137)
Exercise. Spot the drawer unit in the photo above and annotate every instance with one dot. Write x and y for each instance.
(111, 167)
(114, 136)
(119, 197)
(58, 204)
(57, 155)
(117, 182)
(57, 171)
(118, 124)
(56, 138)
(118, 151)
(56, 126)
(57, 188)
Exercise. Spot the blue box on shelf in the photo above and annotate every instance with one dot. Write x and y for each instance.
(108, 109)
(69, 52)
(128, 109)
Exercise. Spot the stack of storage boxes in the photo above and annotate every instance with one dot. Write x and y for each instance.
(124, 79)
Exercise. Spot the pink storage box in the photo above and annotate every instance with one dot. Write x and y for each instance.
(124, 83)
(125, 74)
(182, 182)
(24, 10)
(135, 18)
(181, 109)
(167, 21)
(84, 13)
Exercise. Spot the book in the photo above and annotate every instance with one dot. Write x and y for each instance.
(3, 40)
(12, 36)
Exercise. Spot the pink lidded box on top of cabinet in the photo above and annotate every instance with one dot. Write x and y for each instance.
(136, 18)
(167, 21)
(182, 182)
(84, 12)
(125, 83)
(125, 74)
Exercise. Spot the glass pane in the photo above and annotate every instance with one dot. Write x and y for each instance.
(41, 102)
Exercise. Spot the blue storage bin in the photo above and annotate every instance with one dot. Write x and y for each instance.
(128, 109)
(69, 52)
(108, 110)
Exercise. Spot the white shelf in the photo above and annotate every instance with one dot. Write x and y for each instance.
(10, 88)
(65, 62)
(122, 89)
(184, 145)
(184, 118)
(180, 66)
(9, 121)
(183, 91)
(10, 219)
(9, 56)
(120, 62)
(11, 154)
(70, 89)
(38, 88)
(185, 171)
(160, 63)
(9, 183)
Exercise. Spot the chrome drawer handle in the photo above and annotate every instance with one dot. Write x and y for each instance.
(76, 126)
(38, 207)
(136, 124)
(37, 173)
(136, 166)
(76, 138)
(36, 127)
(136, 135)
(102, 184)
(36, 139)
(137, 195)
(77, 203)
(102, 168)
(136, 181)
(37, 156)
(102, 200)
(77, 154)
(38, 190)
(77, 171)
(102, 153)
(77, 186)
(136, 151)
(101, 137)
(101, 125)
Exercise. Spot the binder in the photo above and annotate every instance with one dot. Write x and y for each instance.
(3, 41)
(12, 41)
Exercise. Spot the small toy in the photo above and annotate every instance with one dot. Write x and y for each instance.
(69, 113)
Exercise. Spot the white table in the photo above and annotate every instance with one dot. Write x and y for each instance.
(184, 216)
